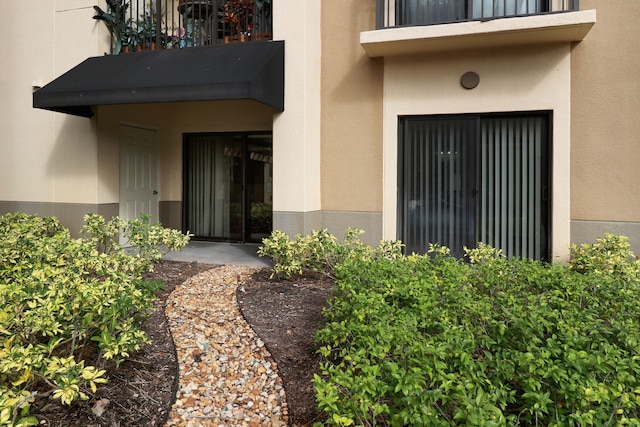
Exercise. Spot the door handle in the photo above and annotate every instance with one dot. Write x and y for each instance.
(155, 192)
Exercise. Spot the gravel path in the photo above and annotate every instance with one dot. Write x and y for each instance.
(227, 376)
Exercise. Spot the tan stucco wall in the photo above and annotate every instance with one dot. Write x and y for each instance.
(605, 96)
(351, 127)
(45, 156)
(170, 121)
(511, 79)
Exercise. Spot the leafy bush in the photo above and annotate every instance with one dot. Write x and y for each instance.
(146, 240)
(610, 255)
(69, 305)
(320, 251)
(432, 341)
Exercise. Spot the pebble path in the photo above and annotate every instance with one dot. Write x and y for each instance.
(227, 376)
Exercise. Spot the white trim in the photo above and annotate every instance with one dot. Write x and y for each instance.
(526, 30)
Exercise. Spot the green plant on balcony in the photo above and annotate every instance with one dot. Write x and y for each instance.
(177, 40)
(128, 40)
(115, 18)
(146, 33)
(238, 14)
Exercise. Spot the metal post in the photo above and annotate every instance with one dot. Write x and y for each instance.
(158, 24)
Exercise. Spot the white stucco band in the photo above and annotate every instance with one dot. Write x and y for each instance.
(511, 80)
(504, 32)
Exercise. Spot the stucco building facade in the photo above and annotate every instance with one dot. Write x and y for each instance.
(515, 126)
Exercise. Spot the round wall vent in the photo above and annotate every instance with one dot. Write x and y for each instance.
(469, 80)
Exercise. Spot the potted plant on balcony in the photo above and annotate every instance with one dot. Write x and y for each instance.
(146, 33)
(127, 41)
(177, 40)
(115, 18)
(238, 15)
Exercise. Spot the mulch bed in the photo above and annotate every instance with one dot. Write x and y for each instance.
(285, 315)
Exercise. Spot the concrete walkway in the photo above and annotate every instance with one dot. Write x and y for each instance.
(220, 253)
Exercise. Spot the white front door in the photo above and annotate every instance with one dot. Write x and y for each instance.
(138, 173)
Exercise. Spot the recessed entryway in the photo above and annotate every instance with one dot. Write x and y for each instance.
(228, 186)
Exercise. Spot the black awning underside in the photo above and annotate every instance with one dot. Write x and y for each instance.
(250, 70)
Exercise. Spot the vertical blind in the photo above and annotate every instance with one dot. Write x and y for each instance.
(438, 162)
(496, 8)
(512, 187)
(421, 12)
(468, 179)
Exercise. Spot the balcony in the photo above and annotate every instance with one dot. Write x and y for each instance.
(235, 57)
(425, 26)
(137, 26)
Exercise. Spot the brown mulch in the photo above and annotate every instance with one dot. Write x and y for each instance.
(284, 314)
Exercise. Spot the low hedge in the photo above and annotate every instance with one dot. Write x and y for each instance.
(434, 341)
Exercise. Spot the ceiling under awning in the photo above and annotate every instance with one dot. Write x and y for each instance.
(250, 70)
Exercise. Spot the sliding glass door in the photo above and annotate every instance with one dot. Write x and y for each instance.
(228, 186)
(475, 178)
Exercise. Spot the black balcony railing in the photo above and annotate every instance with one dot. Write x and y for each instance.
(139, 25)
(396, 13)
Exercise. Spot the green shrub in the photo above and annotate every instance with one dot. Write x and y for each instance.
(610, 256)
(69, 305)
(320, 251)
(433, 341)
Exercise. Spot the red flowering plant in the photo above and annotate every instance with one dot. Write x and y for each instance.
(239, 15)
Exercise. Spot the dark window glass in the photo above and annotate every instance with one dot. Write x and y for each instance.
(426, 12)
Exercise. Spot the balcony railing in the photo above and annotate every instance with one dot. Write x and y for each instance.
(396, 13)
(137, 25)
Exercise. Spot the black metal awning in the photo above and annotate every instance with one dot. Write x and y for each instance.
(249, 70)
